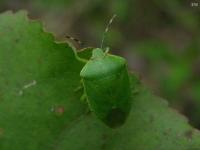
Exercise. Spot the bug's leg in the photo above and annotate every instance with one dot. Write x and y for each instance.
(80, 87)
(84, 98)
(79, 58)
(74, 39)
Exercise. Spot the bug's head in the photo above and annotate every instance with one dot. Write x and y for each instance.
(99, 53)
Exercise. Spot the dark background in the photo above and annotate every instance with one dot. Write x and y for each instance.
(160, 39)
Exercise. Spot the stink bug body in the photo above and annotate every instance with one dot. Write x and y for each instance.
(106, 85)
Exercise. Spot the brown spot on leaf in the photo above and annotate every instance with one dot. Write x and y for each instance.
(59, 110)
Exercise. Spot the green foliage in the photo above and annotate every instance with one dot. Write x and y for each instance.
(39, 109)
(33, 117)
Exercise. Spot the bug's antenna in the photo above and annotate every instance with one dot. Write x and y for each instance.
(74, 39)
(106, 30)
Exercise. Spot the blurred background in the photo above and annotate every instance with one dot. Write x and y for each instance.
(160, 39)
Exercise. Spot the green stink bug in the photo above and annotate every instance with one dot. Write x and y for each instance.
(106, 85)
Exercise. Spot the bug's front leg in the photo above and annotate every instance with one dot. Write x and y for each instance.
(79, 88)
(83, 98)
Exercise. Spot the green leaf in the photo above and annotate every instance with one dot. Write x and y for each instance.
(40, 110)
(32, 117)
